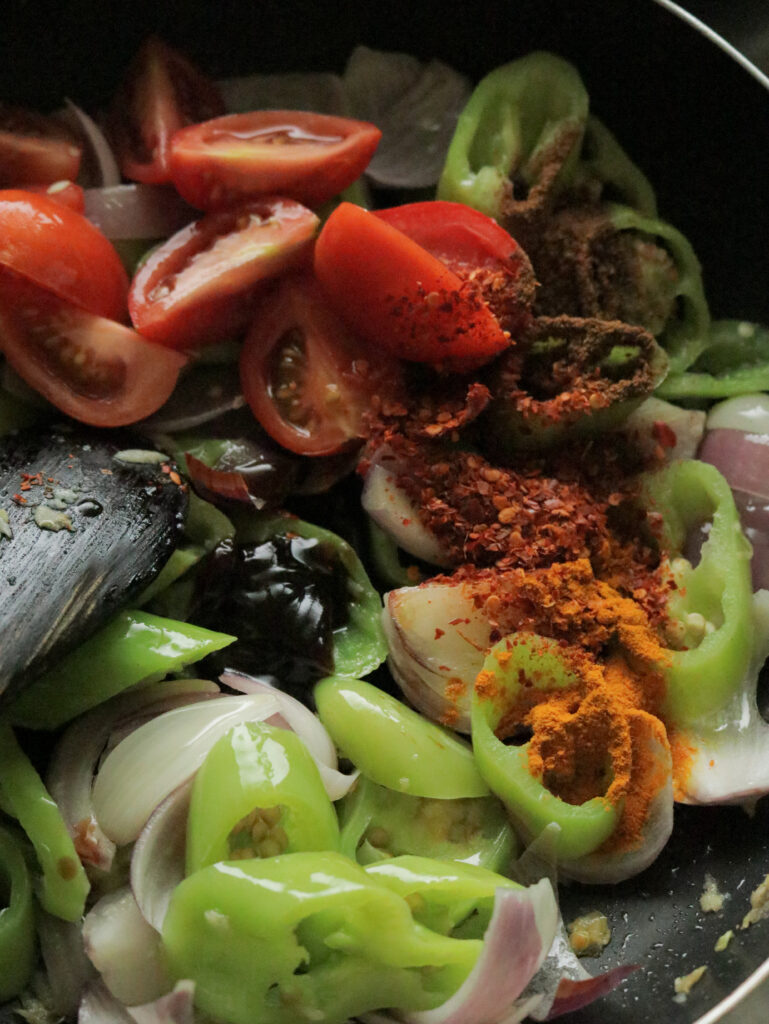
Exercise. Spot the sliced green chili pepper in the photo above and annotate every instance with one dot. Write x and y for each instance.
(258, 794)
(584, 827)
(205, 527)
(735, 362)
(359, 644)
(387, 565)
(685, 331)
(442, 897)
(605, 164)
(306, 936)
(712, 602)
(571, 377)
(132, 647)
(380, 823)
(17, 919)
(523, 124)
(64, 885)
(393, 745)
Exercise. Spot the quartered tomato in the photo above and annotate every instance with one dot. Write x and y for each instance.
(89, 367)
(198, 287)
(306, 378)
(35, 149)
(310, 157)
(57, 248)
(402, 298)
(162, 92)
(65, 193)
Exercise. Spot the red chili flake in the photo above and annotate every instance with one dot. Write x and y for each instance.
(175, 478)
(106, 472)
(26, 486)
(456, 622)
(165, 468)
(439, 633)
(19, 499)
(664, 434)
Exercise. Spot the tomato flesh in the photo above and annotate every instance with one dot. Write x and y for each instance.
(58, 249)
(400, 297)
(307, 380)
(35, 149)
(198, 287)
(310, 157)
(91, 368)
(162, 92)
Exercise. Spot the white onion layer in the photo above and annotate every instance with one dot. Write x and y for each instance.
(157, 861)
(160, 755)
(396, 514)
(749, 413)
(125, 949)
(688, 426)
(106, 167)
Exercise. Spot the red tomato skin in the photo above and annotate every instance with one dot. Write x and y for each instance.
(196, 288)
(338, 379)
(399, 297)
(65, 193)
(35, 149)
(161, 93)
(467, 241)
(219, 162)
(59, 249)
(91, 368)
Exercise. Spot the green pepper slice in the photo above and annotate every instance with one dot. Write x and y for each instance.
(524, 122)
(380, 823)
(133, 646)
(17, 919)
(712, 601)
(393, 745)
(584, 827)
(258, 793)
(734, 362)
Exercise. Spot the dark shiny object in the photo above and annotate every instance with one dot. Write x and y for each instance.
(56, 588)
(287, 596)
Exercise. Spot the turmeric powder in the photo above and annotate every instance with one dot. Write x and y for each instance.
(595, 732)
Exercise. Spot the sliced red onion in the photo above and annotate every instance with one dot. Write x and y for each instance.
(730, 760)
(160, 755)
(520, 933)
(102, 160)
(657, 424)
(137, 211)
(126, 951)
(76, 755)
(99, 1006)
(611, 867)
(176, 1007)
(573, 995)
(157, 861)
(742, 458)
(437, 639)
(306, 725)
(67, 967)
(395, 513)
(220, 482)
(415, 106)
(320, 92)
(204, 393)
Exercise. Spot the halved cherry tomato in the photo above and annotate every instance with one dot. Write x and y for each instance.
(476, 248)
(90, 368)
(400, 297)
(307, 380)
(310, 157)
(60, 250)
(198, 287)
(161, 93)
(35, 149)
(65, 193)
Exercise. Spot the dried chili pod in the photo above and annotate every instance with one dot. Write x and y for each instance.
(573, 376)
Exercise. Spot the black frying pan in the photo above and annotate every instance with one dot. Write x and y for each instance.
(698, 123)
